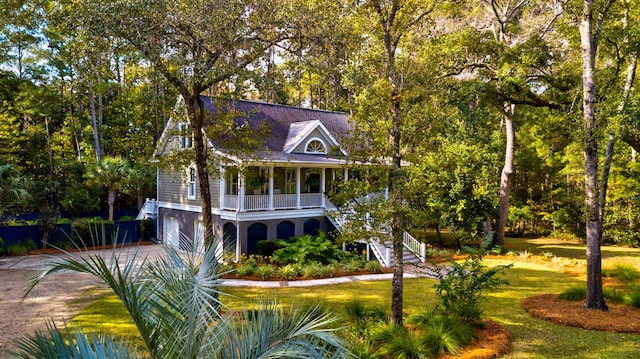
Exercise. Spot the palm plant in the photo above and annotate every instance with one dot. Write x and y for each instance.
(111, 172)
(174, 302)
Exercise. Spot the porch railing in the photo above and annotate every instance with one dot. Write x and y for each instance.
(418, 248)
(260, 202)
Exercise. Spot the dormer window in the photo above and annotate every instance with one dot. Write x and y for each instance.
(315, 146)
(186, 136)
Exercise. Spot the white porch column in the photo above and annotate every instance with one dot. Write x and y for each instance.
(298, 206)
(271, 170)
(240, 192)
(322, 186)
(238, 246)
(346, 174)
(223, 186)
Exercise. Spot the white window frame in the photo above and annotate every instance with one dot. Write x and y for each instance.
(185, 141)
(191, 182)
(324, 145)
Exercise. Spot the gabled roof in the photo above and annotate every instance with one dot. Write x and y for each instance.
(288, 126)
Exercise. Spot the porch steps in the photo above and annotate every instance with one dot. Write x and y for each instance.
(408, 257)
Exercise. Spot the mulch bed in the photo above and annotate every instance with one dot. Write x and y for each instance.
(491, 341)
(619, 318)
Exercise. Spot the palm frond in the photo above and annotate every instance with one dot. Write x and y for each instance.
(71, 344)
(272, 332)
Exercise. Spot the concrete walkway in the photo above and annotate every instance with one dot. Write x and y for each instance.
(36, 262)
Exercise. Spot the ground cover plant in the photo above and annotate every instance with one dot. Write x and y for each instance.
(303, 257)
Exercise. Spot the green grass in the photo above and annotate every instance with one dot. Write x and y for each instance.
(534, 338)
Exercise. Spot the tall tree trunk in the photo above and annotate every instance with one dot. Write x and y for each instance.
(604, 183)
(505, 176)
(111, 199)
(398, 222)
(94, 122)
(197, 114)
(595, 297)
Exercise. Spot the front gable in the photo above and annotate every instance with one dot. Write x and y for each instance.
(309, 137)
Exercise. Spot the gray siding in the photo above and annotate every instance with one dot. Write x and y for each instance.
(172, 188)
(315, 133)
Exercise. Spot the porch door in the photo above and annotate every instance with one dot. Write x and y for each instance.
(171, 231)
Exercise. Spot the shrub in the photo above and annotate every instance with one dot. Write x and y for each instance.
(147, 229)
(404, 345)
(633, 297)
(373, 266)
(461, 287)
(289, 271)
(311, 269)
(327, 270)
(126, 218)
(268, 247)
(446, 334)
(306, 248)
(441, 333)
(358, 312)
(3, 248)
(613, 295)
(574, 293)
(352, 265)
(265, 271)
(246, 269)
(227, 268)
(21, 248)
(624, 271)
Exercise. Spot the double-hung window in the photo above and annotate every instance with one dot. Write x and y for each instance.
(185, 135)
(191, 183)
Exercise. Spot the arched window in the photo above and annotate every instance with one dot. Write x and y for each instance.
(311, 227)
(285, 230)
(315, 146)
(256, 232)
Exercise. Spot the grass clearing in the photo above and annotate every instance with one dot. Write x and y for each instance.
(534, 338)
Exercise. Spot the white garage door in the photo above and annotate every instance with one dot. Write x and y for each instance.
(171, 231)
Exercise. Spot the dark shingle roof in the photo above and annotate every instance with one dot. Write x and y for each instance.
(278, 119)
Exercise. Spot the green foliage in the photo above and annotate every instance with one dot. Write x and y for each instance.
(462, 286)
(306, 248)
(54, 343)
(441, 333)
(311, 269)
(290, 271)
(351, 265)
(265, 271)
(147, 229)
(268, 247)
(327, 270)
(633, 297)
(373, 266)
(89, 232)
(246, 269)
(574, 293)
(624, 271)
(613, 295)
(400, 343)
(21, 248)
(177, 296)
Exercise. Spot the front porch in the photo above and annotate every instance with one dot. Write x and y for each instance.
(277, 188)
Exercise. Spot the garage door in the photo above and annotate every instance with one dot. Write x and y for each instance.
(171, 231)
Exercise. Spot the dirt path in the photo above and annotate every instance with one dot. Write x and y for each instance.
(60, 297)
(55, 298)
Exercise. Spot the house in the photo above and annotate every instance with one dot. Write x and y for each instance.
(277, 192)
